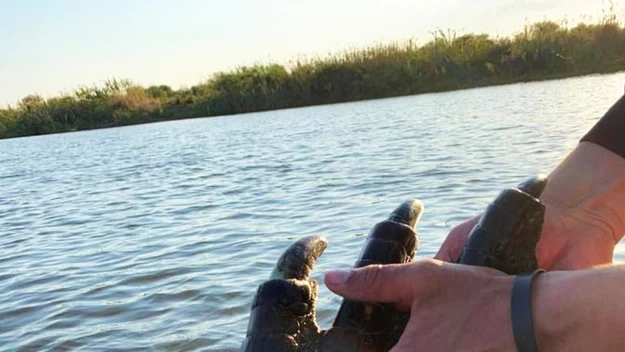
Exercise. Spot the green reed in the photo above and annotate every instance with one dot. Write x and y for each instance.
(449, 61)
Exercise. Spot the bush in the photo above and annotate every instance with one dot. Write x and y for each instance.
(541, 51)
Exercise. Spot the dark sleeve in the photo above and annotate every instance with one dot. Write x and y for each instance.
(609, 132)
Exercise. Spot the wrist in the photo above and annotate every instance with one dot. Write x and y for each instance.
(589, 184)
(556, 311)
(546, 311)
(522, 312)
(498, 299)
(579, 310)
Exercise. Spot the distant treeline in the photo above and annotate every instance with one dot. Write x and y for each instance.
(544, 50)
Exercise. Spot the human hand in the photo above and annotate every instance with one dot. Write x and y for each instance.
(585, 213)
(452, 307)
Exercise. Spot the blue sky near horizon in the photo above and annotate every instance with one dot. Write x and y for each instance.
(53, 46)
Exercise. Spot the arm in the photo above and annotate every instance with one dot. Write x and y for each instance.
(585, 198)
(591, 178)
(580, 310)
(593, 175)
(608, 132)
(462, 308)
(585, 201)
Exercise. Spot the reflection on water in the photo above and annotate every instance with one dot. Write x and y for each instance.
(154, 237)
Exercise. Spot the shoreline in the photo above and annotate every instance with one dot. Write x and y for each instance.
(544, 51)
(537, 80)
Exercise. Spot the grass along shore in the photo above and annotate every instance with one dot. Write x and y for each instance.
(544, 50)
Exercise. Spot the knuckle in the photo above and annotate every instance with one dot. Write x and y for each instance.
(428, 270)
(371, 275)
(429, 265)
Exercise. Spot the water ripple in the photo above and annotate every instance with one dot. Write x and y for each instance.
(154, 237)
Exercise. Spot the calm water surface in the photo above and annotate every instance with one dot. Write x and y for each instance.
(154, 237)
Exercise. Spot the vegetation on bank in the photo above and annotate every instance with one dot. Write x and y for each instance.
(542, 51)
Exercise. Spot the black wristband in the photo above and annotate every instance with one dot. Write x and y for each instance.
(609, 132)
(521, 309)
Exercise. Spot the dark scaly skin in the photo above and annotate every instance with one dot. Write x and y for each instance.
(283, 312)
(392, 241)
(506, 236)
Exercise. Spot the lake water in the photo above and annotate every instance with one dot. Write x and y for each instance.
(154, 237)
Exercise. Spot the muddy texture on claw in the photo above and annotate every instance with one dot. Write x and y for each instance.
(299, 259)
(506, 236)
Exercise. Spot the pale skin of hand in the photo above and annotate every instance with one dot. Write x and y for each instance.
(585, 212)
(459, 308)
(447, 303)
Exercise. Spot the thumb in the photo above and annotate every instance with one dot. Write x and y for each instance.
(373, 283)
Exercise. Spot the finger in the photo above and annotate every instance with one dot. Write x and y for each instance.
(454, 243)
(374, 283)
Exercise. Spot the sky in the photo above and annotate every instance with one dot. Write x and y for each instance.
(48, 47)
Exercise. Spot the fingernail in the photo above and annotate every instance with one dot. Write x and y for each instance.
(337, 277)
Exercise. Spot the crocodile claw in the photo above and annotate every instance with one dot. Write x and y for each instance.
(298, 260)
(506, 236)
(392, 241)
(283, 311)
